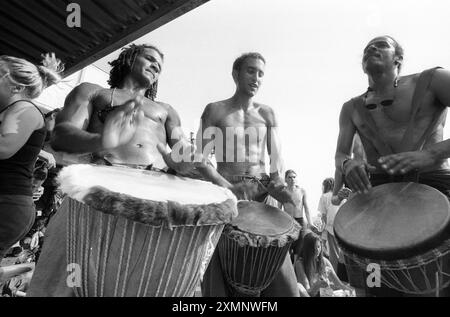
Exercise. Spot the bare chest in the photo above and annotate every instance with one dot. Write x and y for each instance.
(106, 100)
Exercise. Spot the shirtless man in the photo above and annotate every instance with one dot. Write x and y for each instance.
(382, 61)
(398, 146)
(241, 130)
(299, 195)
(121, 125)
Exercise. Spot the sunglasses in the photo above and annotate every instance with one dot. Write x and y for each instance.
(384, 103)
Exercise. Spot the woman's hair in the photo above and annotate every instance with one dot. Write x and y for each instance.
(35, 78)
(310, 263)
(328, 184)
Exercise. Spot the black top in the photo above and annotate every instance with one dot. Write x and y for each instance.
(16, 172)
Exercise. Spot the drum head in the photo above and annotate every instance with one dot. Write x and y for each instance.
(393, 221)
(261, 219)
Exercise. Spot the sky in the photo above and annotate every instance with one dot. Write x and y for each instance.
(313, 50)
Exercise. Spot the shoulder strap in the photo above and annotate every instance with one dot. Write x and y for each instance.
(422, 86)
(13, 103)
(369, 130)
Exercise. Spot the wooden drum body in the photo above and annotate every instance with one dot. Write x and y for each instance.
(141, 233)
(254, 246)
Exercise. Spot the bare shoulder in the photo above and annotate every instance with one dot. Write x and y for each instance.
(441, 79)
(169, 110)
(267, 113)
(27, 111)
(214, 109)
(88, 88)
(218, 105)
(164, 105)
(23, 107)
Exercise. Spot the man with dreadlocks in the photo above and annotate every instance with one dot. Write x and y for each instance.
(123, 124)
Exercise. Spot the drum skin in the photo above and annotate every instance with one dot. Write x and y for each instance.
(393, 221)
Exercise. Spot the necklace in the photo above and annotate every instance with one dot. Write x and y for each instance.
(385, 102)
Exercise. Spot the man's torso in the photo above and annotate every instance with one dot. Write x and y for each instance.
(392, 121)
(244, 138)
(142, 147)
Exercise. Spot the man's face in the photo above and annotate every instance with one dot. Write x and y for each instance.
(290, 179)
(380, 52)
(147, 67)
(249, 77)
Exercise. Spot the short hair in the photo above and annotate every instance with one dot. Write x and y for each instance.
(328, 184)
(289, 172)
(35, 78)
(121, 67)
(238, 62)
(399, 51)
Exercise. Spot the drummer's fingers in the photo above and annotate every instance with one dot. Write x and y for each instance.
(389, 161)
(358, 179)
(351, 183)
(364, 178)
(403, 166)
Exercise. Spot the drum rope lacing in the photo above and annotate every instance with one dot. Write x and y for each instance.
(403, 266)
(259, 274)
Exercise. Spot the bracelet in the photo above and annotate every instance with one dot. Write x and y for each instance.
(343, 164)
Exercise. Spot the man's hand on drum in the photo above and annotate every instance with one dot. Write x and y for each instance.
(120, 125)
(279, 191)
(184, 163)
(356, 175)
(402, 163)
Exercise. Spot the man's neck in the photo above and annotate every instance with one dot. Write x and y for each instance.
(291, 187)
(242, 101)
(381, 81)
(133, 87)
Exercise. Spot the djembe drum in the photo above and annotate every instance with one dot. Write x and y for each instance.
(253, 247)
(403, 228)
(140, 233)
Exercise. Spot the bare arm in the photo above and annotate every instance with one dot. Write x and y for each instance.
(174, 132)
(70, 133)
(18, 124)
(305, 205)
(274, 146)
(355, 170)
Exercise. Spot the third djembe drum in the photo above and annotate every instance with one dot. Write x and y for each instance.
(404, 229)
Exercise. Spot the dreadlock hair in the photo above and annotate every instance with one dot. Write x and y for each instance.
(122, 66)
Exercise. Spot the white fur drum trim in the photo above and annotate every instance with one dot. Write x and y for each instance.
(77, 180)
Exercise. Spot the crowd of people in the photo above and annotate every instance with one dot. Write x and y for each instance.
(125, 125)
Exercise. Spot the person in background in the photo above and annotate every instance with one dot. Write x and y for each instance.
(22, 135)
(314, 271)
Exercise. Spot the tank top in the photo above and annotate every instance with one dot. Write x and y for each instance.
(16, 172)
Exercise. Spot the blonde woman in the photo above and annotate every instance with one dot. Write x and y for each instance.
(22, 134)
